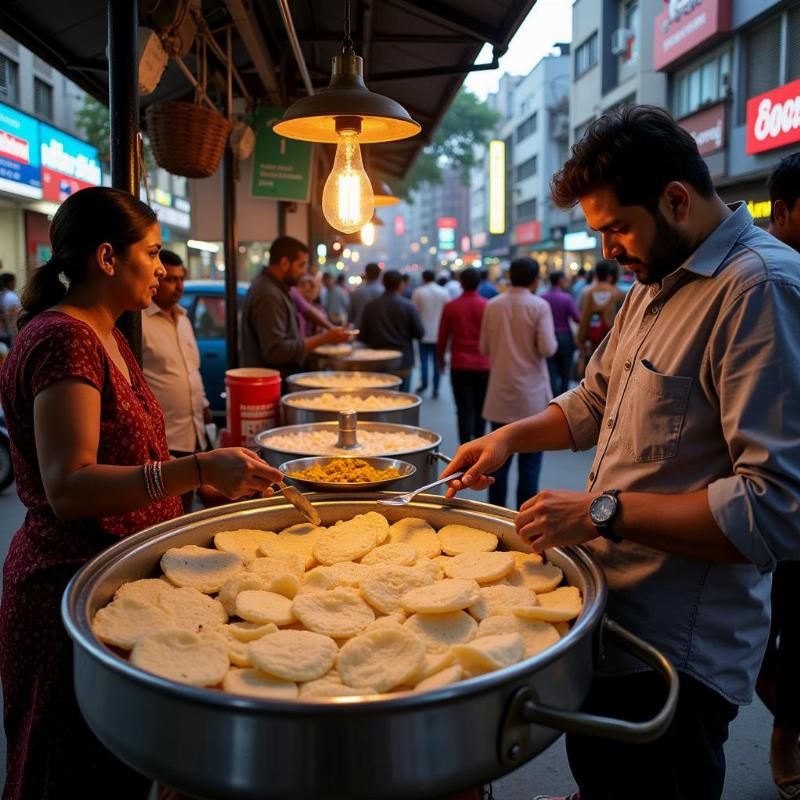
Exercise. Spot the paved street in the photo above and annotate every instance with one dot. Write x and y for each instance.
(748, 775)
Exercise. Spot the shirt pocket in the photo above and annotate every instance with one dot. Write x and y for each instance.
(652, 413)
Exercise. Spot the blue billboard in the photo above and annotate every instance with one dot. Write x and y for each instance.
(20, 156)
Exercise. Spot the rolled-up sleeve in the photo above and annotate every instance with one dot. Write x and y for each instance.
(755, 362)
(585, 405)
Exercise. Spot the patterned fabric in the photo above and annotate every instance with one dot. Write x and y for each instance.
(51, 752)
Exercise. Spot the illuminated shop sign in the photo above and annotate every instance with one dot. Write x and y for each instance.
(479, 239)
(760, 209)
(707, 128)
(773, 118)
(68, 164)
(580, 240)
(685, 24)
(528, 232)
(446, 222)
(497, 186)
(20, 171)
(399, 225)
(447, 238)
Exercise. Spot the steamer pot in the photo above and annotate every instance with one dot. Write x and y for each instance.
(292, 414)
(409, 745)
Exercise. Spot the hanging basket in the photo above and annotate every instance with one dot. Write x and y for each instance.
(187, 139)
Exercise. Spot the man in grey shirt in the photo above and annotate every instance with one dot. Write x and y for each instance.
(693, 404)
(366, 293)
(269, 329)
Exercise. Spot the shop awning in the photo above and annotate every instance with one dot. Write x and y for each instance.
(416, 51)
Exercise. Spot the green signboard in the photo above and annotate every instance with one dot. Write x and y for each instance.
(281, 167)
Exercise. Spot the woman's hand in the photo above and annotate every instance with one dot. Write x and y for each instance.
(238, 472)
(555, 519)
(478, 457)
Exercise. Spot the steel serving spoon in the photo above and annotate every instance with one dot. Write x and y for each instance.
(405, 499)
(300, 502)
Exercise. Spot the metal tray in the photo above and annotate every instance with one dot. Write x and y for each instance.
(407, 470)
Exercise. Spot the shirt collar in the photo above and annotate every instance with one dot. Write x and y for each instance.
(154, 308)
(708, 258)
(278, 283)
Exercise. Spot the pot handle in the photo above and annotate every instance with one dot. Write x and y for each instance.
(526, 710)
(443, 457)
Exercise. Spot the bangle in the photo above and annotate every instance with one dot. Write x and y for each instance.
(161, 490)
(199, 469)
(148, 481)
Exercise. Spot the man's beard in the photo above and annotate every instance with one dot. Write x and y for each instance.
(669, 250)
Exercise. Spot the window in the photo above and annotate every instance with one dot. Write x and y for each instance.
(526, 210)
(794, 44)
(42, 98)
(586, 55)
(528, 127)
(9, 80)
(209, 317)
(581, 129)
(526, 169)
(763, 58)
(702, 85)
(630, 21)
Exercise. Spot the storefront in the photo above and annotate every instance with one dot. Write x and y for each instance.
(40, 166)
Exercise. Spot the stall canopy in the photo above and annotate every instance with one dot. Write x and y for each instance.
(415, 51)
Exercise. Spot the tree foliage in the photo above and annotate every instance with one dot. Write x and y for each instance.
(468, 122)
(93, 119)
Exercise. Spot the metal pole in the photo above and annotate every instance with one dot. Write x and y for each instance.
(230, 237)
(123, 92)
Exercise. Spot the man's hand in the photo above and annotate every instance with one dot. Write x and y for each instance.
(555, 519)
(208, 417)
(478, 458)
(337, 335)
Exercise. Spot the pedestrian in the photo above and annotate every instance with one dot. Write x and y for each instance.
(429, 299)
(564, 310)
(517, 334)
(92, 467)
(486, 288)
(460, 328)
(270, 332)
(452, 285)
(406, 288)
(778, 684)
(368, 291)
(583, 278)
(311, 316)
(336, 299)
(391, 322)
(9, 308)
(694, 493)
(599, 304)
(171, 365)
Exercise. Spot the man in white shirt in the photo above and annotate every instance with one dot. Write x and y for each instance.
(9, 308)
(517, 332)
(171, 363)
(430, 300)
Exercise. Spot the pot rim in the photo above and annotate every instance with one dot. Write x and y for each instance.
(74, 615)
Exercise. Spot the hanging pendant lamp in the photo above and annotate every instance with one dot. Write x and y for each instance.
(382, 192)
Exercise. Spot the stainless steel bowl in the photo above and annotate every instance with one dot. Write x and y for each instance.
(300, 464)
(427, 460)
(292, 412)
(303, 381)
(347, 362)
(421, 745)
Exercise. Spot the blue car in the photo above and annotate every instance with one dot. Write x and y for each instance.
(204, 301)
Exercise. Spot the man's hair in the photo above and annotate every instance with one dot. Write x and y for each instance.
(428, 275)
(603, 269)
(635, 152)
(523, 271)
(470, 279)
(286, 247)
(392, 280)
(170, 259)
(484, 274)
(555, 277)
(784, 183)
(327, 275)
(372, 271)
(7, 279)
(340, 279)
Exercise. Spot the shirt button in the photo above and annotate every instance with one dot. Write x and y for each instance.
(628, 365)
(655, 310)
(610, 423)
(591, 476)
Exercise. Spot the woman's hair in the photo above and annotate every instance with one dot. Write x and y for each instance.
(84, 221)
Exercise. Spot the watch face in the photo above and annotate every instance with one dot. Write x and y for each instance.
(602, 509)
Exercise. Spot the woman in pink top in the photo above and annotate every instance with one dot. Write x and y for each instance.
(469, 370)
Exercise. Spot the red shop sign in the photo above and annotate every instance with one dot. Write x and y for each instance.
(707, 128)
(446, 222)
(773, 118)
(528, 232)
(684, 24)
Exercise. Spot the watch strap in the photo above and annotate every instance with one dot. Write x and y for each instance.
(606, 530)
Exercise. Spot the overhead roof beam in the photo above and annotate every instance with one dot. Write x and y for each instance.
(440, 14)
(249, 31)
(434, 72)
(390, 38)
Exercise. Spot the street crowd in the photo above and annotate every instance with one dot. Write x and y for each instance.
(688, 391)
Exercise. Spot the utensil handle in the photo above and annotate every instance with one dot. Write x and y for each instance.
(620, 730)
(436, 483)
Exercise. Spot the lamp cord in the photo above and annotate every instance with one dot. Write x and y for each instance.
(347, 43)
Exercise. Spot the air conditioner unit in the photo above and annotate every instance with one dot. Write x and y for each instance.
(620, 40)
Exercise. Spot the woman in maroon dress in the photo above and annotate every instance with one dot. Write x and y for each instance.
(83, 426)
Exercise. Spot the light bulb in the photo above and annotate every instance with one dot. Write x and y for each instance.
(368, 234)
(347, 199)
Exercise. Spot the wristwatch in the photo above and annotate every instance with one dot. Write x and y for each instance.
(602, 511)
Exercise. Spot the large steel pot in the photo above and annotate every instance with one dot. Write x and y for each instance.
(292, 412)
(427, 459)
(214, 745)
(303, 381)
(349, 363)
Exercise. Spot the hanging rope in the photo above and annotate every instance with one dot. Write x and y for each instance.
(347, 43)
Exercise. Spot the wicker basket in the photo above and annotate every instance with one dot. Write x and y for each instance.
(187, 139)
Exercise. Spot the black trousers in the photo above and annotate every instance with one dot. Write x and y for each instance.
(686, 763)
(469, 391)
(779, 670)
(560, 364)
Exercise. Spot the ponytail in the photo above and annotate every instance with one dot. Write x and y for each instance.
(43, 291)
